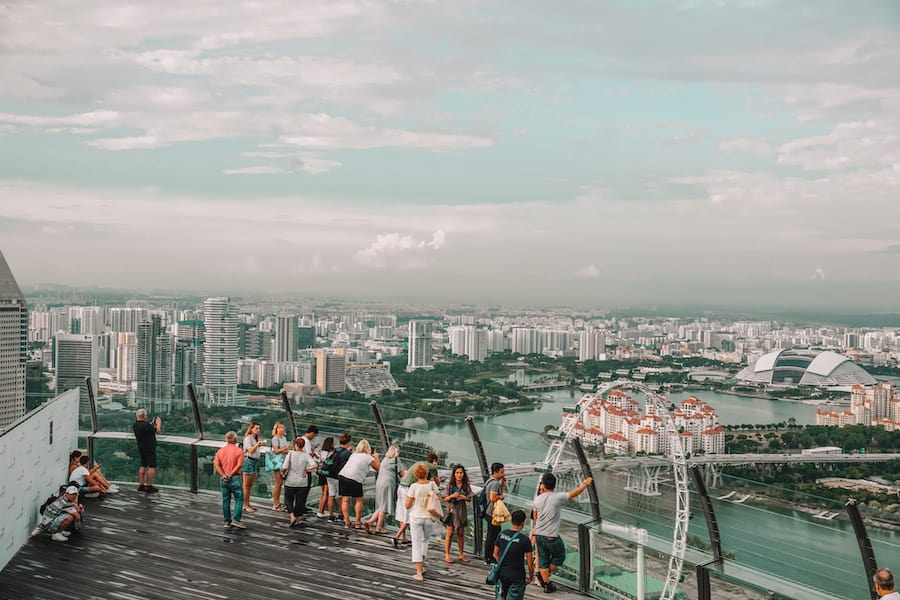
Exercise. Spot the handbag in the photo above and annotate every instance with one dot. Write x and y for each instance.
(434, 506)
(493, 576)
(448, 518)
(274, 460)
(286, 468)
(500, 514)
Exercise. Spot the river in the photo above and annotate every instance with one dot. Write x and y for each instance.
(782, 541)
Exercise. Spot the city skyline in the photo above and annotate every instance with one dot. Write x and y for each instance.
(654, 153)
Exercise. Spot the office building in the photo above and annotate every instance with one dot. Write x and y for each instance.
(154, 365)
(285, 338)
(13, 339)
(420, 351)
(220, 355)
(330, 371)
(75, 357)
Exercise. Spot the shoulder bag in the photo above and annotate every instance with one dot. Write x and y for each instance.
(493, 576)
(434, 504)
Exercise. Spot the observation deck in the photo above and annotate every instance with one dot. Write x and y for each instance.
(172, 545)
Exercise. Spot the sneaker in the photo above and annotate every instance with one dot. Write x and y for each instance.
(238, 525)
(151, 490)
(228, 525)
(550, 587)
(321, 515)
(92, 495)
(142, 488)
(58, 537)
(66, 533)
(113, 489)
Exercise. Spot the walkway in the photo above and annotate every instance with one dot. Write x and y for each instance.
(172, 546)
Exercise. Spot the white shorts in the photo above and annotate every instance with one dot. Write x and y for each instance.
(402, 513)
(332, 486)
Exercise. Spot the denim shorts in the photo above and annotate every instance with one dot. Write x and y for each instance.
(551, 551)
(250, 466)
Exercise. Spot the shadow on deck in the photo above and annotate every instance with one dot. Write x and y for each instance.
(172, 545)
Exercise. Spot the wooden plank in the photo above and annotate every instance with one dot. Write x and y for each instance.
(172, 545)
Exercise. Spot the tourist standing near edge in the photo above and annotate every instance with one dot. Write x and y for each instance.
(547, 508)
(228, 462)
(494, 491)
(145, 435)
(884, 585)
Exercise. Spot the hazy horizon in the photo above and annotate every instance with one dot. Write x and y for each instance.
(590, 154)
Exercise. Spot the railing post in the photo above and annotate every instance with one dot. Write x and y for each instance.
(478, 520)
(95, 427)
(587, 472)
(195, 406)
(865, 544)
(195, 469)
(382, 430)
(704, 590)
(290, 413)
(712, 525)
(641, 566)
(584, 557)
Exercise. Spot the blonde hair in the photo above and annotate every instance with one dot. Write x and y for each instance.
(275, 428)
(393, 451)
(363, 447)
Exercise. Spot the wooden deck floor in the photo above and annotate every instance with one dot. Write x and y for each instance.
(172, 545)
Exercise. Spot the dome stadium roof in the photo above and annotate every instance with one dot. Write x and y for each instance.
(805, 367)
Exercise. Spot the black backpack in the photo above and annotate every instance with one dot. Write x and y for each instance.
(335, 462)
(481, 504)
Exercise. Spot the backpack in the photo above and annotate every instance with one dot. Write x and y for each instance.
(335, 462)
(480, 503)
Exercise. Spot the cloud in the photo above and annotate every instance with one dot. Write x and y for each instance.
(757, 147)
(818, 274)
(588, 272)
(684, 138)
(259, 170)
(399, 251)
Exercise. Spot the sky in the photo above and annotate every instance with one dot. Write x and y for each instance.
(589, 153)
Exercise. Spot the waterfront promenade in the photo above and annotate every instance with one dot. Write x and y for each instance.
(173, 546)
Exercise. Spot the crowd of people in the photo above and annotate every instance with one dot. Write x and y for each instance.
(340, 472)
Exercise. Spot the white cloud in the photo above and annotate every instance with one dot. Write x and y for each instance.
(399, 251)
(259, 170)
(757, 147)
(855, 144)
(588, 271)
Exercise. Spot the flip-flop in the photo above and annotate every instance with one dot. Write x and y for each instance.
(463, 559)
(448, 560)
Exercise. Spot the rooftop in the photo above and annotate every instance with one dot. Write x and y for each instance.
(172, 545)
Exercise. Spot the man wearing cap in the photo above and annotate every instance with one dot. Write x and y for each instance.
(62, 516)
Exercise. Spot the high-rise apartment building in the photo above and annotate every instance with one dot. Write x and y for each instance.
(75, 357)
(154, 365)
(285, 338)
(13, 339)
(419, 346)
(126, 357)
(220, 355)
(330, 371)
(126, 319)
(189, 350)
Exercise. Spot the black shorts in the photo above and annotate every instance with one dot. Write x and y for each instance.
(348, 487)
(148, 457)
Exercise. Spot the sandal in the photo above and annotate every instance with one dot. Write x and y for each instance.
(368, 528)
(448, 560)
(249, 509)
(463, 559)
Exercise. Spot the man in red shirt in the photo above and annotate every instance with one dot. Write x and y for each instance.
(228, 463)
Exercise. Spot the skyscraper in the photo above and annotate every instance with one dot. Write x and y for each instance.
(285, 338)
(419, 346)
(126, 357)
(154, 365)
(220, 352)
(13, 339)
(75, 357)
(189, 349)
(330, 371)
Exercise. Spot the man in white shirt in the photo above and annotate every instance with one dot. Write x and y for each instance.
(884, 585)
(545, 533)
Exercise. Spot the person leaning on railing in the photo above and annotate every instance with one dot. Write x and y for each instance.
(547, 510)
